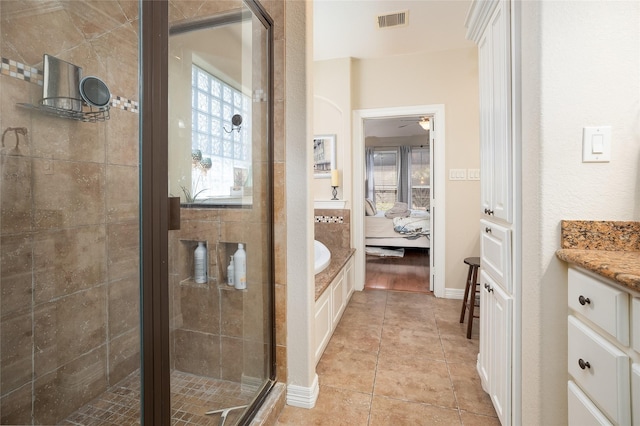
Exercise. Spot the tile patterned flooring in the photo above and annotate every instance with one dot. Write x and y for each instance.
(191, 397)
(398, 358)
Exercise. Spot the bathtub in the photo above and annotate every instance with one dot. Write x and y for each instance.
(322, 256)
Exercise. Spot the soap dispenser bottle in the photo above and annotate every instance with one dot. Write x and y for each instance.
(231, 272)
(200, 263)
(240, 268)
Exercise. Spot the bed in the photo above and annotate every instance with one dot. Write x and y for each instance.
(412, 231)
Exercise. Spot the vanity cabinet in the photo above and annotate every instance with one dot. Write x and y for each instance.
(330, 306)
(602, 360)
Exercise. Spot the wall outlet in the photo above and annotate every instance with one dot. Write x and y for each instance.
(457, 174)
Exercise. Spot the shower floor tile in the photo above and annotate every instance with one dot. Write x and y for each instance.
(191, 397)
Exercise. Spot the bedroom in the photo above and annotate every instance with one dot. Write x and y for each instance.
(397, 203)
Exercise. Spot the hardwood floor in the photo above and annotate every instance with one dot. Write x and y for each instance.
(408, 273)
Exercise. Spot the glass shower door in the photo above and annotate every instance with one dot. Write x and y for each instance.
(220, 173)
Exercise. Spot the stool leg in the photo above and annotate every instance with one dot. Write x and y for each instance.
(466, 293)
(472, 302)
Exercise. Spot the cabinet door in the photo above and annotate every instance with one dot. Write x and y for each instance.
(501, 113)
(635, 394)
(501, 343)
(484, 357)
(339, 294)
(495, 116)
(494, 360)
(322, 323)
(349, 279)
(486, 142)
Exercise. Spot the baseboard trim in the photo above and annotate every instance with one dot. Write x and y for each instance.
(303, 397)
(453, 293)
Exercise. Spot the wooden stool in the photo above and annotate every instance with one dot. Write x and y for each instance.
(469, 300)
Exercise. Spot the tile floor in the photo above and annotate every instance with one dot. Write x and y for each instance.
(191, 397)
(398, 358)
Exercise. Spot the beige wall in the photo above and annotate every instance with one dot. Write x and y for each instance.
(449, 78)
(572, 76)
(332, 115)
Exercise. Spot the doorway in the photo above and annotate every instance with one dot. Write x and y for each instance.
(398, 196)
(437, 196)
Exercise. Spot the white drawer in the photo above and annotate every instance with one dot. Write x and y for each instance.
(495, 249)
(603, 304)
(635, 394)
(635, 325)
(605, 377)
(582, 412)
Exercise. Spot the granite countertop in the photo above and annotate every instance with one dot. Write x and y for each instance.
(339, 258)
(609, 249)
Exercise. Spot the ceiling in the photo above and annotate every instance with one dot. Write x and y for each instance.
(348, 28)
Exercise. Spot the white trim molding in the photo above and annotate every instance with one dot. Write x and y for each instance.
(302, 396)
(438, 215)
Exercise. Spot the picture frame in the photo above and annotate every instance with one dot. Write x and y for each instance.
(324, 156)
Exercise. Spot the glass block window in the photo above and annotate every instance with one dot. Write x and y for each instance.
(225, 151)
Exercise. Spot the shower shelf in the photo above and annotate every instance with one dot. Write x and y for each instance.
(88, 113)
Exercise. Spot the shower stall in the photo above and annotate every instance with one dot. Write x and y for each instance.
(132, 134)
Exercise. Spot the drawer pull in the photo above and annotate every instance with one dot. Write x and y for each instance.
(583, 364)
(584, 300)
(487, 230)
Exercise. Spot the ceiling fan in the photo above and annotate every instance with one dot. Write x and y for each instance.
(422, 122)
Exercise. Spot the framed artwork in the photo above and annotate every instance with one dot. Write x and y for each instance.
(324, 155)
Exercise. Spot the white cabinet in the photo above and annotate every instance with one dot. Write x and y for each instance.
(584, 412)
(496, 164)
(601, 362)
(330, 306)
(494, 360)
(635, 393)
(489, 25)
(495, 246)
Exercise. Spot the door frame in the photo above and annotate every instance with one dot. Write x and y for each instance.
(437, 142)
(154, 215)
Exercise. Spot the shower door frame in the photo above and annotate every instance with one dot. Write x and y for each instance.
(154, 213)
(155, 217)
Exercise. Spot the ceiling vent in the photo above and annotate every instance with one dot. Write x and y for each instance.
(395, 19)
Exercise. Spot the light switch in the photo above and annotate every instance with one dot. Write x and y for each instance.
(457, 174)
(596, 144)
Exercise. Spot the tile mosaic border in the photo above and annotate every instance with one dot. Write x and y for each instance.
(21, 71)
(18, 70)
(329, 219)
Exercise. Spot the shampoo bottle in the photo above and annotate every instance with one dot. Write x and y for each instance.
(230, 272)
(200, 262)
(240, 268)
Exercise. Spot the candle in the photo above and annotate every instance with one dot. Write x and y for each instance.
(335, 178)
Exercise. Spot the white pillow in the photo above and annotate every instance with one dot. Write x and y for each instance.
(369, 207)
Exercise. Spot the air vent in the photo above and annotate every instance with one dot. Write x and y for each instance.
(395, 19)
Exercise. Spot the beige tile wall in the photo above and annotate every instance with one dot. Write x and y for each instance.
(69, 218)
